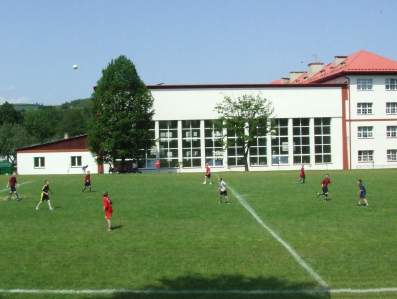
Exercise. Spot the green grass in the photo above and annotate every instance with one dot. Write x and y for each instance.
(172, 234)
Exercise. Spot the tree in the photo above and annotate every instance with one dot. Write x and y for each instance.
(243, 117)
(122, 107)
(13, 136)
(42, 123)
(8, 114)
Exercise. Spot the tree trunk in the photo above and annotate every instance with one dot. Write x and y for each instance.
(246, 168)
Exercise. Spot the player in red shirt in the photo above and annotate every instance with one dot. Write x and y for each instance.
(107, 208)
(324, 185)
(207, 175)
(12, 184)
(302, 175)
(87, 181)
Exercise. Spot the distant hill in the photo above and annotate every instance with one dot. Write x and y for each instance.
(75, 104)
(24, 107)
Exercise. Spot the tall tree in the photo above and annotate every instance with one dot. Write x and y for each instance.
(8, 114)
(122, 113)
(243, 117)
(42, 123)
(13, 136)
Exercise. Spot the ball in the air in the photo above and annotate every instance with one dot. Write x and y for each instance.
(75, 66)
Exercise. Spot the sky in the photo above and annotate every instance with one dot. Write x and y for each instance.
(178, 41)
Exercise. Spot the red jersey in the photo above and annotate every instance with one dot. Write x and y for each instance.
(87, 178)
(207, 170)
(302, 172)
(12, 182)
(107, 204)
(325, 182)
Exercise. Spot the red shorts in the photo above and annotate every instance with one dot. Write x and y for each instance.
(108, 215)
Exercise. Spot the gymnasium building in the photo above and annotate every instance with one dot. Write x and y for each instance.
(340, 115)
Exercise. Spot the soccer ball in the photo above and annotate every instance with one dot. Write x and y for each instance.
(75, 66)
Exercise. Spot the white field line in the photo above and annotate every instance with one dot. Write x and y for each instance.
(288, 247)
(198, 292)
(23, 183)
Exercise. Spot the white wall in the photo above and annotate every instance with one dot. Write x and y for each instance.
(55, 163)
(190, 104)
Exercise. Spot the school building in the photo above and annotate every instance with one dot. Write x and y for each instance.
(340, 115)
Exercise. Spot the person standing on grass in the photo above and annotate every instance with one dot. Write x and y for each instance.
(302, 175)
(223, 191)
(107, 208)
(207, 175)
(324, 186)
(362, 193)
(87, 181)
(12, 185)
(45, 196)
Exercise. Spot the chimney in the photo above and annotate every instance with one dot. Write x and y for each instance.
(314, 67)
(294, 75)
(339, 59)
(65, 136)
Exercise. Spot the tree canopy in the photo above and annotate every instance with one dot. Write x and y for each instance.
(243, 117)
(122, 107)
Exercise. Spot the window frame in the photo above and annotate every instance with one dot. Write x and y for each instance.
(391, 153)
(369, 107)
(391, 108)
(391, 84)
(76, 160)
(390, 131)
(365, 134)
(41, 162)
(368, 154)
(364, 83)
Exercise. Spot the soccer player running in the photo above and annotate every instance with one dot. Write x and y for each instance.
(207, 175)
(12, 184)
(302, 175)
(87, 182)
(107, 208)
(324, 186)
(223, 191)
(45, 196)
(362, 193)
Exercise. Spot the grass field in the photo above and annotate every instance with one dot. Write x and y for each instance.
(172, 234)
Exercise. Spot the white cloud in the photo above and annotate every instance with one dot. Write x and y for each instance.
(16, 100)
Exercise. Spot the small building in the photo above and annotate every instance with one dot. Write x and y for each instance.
(65, 156)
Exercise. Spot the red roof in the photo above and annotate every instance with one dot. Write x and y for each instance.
(358, 62)
(76, 143)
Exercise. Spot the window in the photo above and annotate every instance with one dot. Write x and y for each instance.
(364, 132)
(213, 142)
(148, 155)
(391, 131)
(39, 162)
(191, 150)
(364, 108)
(75, 161)
(301, 140)
(280, 142)
(365, 156)
(391, 84)
(258, 148)
(364, 84)
(168, 143)
(322, 140)
(391, 108)
(235, 147)
(392, 155)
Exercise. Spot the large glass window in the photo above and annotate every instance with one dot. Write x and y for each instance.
(364, 84)
(391, 84)
(392, 155)
(191, 150)
(301, 140)
(168, 143)
(365, 132)
(235, 147)
(391, 131)
(280, 142)
(258, 148)
(148, 157)
(391, 108)
(322, 140)
(365, 156)
(213, 142)
(364, 108)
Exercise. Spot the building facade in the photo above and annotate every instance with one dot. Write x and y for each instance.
(342, 115)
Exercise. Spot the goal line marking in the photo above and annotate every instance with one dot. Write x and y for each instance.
(23, 183)
(198, 292)
(288, 247)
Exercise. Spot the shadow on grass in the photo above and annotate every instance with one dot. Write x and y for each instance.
(196, 286)
(116, 227)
